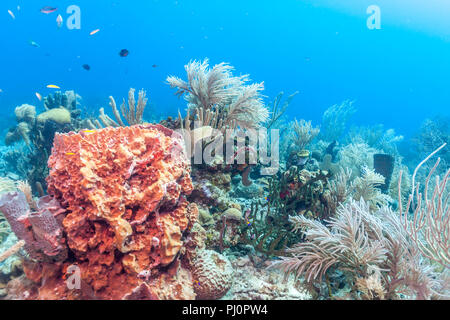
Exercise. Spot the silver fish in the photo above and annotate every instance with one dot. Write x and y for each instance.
(59, 21)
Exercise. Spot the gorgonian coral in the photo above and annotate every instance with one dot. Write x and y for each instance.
(371, 248)
(225, 100)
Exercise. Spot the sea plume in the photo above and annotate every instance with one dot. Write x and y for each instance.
(226, 98)
(371, 248)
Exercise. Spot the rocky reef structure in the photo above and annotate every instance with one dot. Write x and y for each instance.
(126, 224)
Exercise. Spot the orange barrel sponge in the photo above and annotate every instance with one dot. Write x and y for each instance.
(125, 191)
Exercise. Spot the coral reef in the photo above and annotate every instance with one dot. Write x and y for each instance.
(122, 214)
(125, 213)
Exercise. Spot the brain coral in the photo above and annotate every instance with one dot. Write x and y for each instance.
(124, 190)
(212, 273)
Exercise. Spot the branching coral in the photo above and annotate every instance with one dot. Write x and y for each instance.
(430, 226)
(376, 137)
(356, 157)
(278, 111)
(295, 192)
(233, 103)
(366, 187)
(304, 133)
(12, 251)
(334, 120)
(432, 134)
(132, 113)
(339, 190)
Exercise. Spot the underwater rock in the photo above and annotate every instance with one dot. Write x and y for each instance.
(123, 188)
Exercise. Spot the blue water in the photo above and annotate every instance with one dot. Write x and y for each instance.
(398, 75)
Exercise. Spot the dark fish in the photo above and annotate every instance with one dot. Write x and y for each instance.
(48, 9)
(154, 66)
(86, 67)
(124, 52)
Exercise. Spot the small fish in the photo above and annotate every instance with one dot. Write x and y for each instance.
(48, 9)
(155, 66)
(124, 52)
(86, 67)
(52, 86)
(94, 32)
(88, 131)
(38, 95)
(11, 14)
(70, 154)
(59, 21)
(34, 44)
